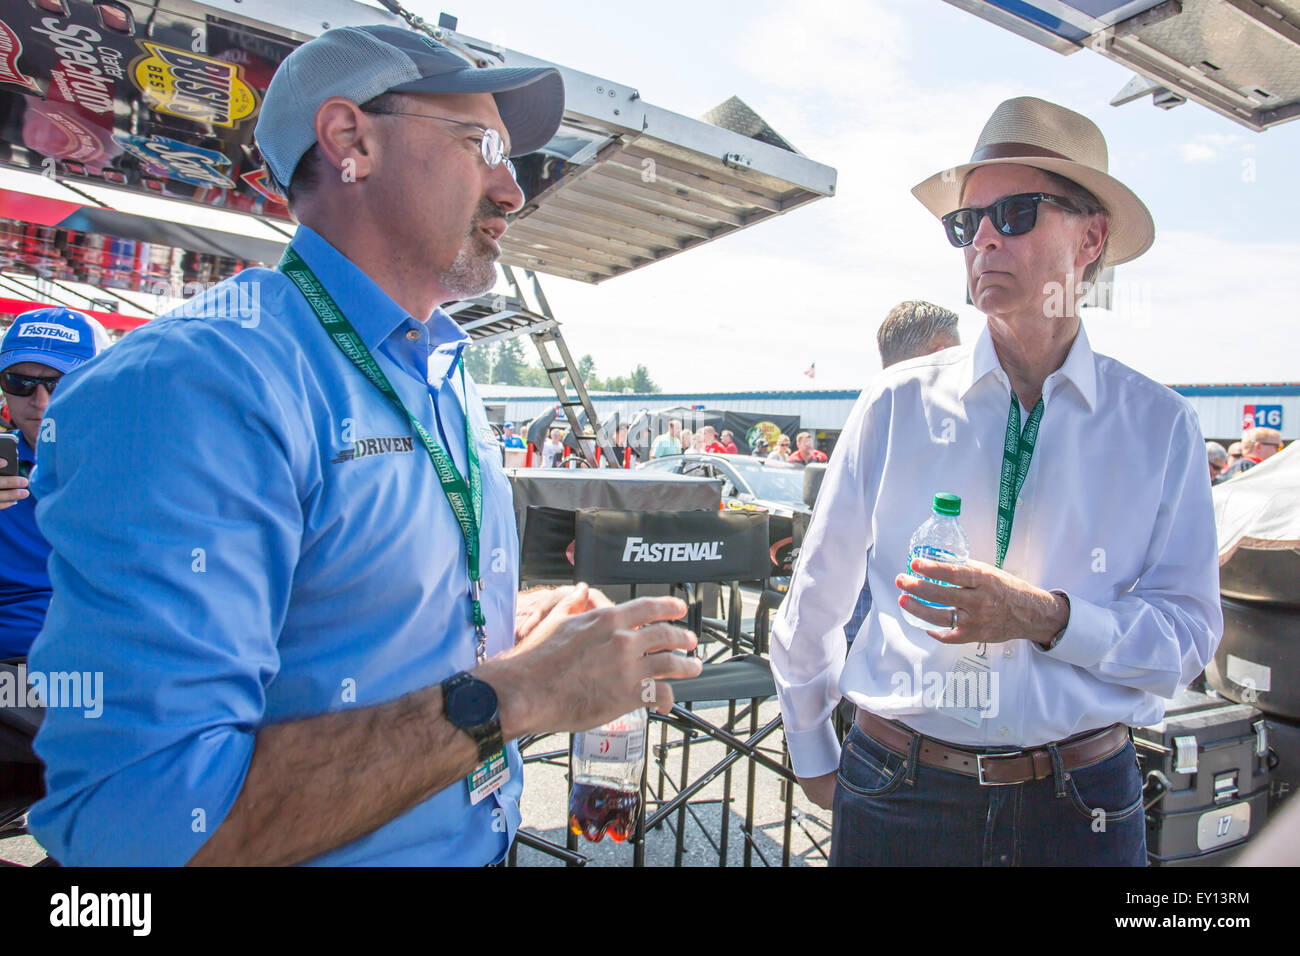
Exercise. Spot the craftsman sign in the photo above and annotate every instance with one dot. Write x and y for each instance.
(1261, 416)
(192, 86)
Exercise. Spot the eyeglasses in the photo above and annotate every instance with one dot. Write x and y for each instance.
(1011, 215)
(24, 385)
(491, 145)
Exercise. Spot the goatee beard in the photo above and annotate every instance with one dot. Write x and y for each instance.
(474, 271)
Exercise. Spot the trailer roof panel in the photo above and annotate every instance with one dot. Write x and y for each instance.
(622, 184)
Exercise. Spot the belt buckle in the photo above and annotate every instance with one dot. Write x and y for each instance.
(979, 767)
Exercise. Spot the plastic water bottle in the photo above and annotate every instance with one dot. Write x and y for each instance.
(940, 538)
(607, 766)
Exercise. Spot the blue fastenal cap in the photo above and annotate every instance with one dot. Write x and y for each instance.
(58, 337)
(360, 63)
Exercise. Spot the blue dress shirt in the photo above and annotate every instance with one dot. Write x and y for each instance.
(24, 582)
(246, 532)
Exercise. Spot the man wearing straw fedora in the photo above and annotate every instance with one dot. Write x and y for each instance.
(999, 733)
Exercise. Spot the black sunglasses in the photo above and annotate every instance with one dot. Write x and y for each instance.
(24, 385)
(1011, 215)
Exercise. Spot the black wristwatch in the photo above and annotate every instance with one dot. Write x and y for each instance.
(471, 704)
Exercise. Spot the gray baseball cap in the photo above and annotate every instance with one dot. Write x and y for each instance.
(359, 63)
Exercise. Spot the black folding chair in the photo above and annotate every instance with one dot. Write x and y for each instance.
(689, 549)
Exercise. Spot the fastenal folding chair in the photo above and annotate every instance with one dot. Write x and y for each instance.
(689, 549)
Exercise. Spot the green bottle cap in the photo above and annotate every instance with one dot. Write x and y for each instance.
(947, 504)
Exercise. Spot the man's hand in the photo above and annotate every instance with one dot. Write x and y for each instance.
(533, 606)
(13, 489)
(992, 605)
(576, 671)
(820, 790)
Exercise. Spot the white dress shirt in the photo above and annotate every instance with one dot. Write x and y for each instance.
(1115, 512)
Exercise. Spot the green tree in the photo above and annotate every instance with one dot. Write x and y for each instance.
(535, 376)
(641, 381)
(511, 365)
(479, 360)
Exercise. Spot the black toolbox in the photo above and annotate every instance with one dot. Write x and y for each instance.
(1205, 779)
(1284, 764)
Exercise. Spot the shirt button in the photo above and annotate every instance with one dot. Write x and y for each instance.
(1008, 652)
(1004, 731)
(413, 335)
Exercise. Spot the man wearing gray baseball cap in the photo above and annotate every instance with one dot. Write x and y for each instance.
(318, 656)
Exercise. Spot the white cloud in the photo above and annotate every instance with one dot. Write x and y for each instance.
(1196, 153)
(1207, 147)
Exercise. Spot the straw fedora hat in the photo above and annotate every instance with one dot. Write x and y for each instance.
(1031, 132)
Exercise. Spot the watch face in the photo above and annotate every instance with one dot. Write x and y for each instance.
(473, 702)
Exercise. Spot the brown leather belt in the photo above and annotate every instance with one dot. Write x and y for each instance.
(997, 769)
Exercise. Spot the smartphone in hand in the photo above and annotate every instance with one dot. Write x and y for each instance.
(8, 454)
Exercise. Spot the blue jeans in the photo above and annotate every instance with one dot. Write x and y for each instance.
(890, 810)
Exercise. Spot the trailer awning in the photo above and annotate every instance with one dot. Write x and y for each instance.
(1240, 58)
(623, 184)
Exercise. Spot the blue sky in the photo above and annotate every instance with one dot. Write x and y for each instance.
(888, 92)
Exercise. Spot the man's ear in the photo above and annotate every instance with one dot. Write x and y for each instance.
(347, 139)
(1092, 241)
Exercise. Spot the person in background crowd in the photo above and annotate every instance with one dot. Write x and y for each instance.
(1261, 444)
(688, 440)
(1012, 769)
(40, 348)
(1217, 457)
(508, 437)
(915, 328)
(621, 449)
(805, 454)
(1257, 445)
(729, 443)
(670, 442)
(782, 450)
(313, 648)
(910, 330)
(553, 448)
(1234, 453)
(709, 440)
(760, 449)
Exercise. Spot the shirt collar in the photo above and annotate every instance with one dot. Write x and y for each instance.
(1079, 368)
(369, 308)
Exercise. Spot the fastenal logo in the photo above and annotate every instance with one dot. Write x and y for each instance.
(11, 48)
(193, 86)
(638, 549)
(37, 330)
(372, 447)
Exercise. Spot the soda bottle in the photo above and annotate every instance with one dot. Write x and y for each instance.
(607, 765)
(940, 538)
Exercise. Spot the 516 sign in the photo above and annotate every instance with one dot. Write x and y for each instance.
(1261, 416)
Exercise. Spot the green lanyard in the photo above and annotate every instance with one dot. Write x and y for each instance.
(466, 500)
(1017, 452)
